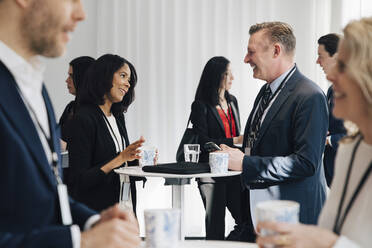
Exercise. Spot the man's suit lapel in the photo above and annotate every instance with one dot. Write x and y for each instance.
(16, 112)
(248, 124)
(276, 105)
(53, 125)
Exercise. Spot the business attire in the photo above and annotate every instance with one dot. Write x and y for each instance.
(92, 146)
(65, 120)
(356, 230)
(30, 214)
(336, 131)
(286, 155)
(219, 193)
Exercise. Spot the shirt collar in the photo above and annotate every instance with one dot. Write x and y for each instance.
(26, 73)
(276, 83)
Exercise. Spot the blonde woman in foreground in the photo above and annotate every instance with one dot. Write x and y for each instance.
(346, 220)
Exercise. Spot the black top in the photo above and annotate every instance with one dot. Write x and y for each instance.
(207, 123)
(90, 147)
(65, 121)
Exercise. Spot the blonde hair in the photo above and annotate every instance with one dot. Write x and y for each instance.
(358, 43)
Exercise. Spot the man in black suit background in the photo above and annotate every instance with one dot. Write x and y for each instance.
(285, 133)
(327, 52)
(35, 210)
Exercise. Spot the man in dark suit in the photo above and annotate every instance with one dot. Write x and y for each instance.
(285, 133)
(327, 48)
(35, 210)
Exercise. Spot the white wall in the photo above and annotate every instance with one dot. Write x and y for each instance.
(169, 42)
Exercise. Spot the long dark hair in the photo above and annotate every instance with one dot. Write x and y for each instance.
(98, 82)
(79, 67)
(210, 81)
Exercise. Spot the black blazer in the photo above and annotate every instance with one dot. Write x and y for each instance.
(65, 121)
(91, 146)
(208, 125)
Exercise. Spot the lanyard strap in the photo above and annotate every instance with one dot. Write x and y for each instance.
(228, 117)
(251, 133)
(49, 139)
(340, 220)
(112, 132)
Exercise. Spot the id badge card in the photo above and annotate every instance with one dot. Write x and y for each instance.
(64, 204)
(247, 151)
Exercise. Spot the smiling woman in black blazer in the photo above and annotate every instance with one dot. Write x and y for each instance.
(215, 117)
(99, 141)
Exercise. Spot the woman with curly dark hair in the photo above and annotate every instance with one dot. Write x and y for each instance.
(99, 142)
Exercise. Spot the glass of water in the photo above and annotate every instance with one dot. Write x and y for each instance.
(191, 152)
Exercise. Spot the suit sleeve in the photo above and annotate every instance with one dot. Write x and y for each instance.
(309, 125)
(50, 236)
(200, 125)
(81, 149)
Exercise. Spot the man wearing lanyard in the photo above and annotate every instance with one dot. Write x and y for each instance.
(285, 133)
(35, 210)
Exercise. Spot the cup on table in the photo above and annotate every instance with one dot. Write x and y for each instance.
(162, 227)
(218, 162)
(277, 211)
(191, 152)
(148, 154)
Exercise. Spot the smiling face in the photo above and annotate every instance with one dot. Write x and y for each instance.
(324, 59)
(70, 82)
(260, 56)
(46, 25)
(120, 84)
(349, 100)
(227, 79)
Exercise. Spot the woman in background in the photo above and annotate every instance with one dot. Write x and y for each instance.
(76, 73)
(346, 219)
(215, 117)
(99, 141)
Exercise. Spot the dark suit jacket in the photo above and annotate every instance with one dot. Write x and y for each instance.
(65, 121)
(288, 150)
(91, 146)
(29, 209)
(208, 125)
(336, 131)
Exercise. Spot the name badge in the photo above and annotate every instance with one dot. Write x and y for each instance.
(247, 151)
(64, 204)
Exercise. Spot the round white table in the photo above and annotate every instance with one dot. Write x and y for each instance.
(211, 244)
(177, 190)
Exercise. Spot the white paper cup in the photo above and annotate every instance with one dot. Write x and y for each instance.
(191, 152)
(162, 228)
(218, 162)
(277, 211)
(148, 154)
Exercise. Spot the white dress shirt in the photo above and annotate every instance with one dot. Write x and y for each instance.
(29, 78)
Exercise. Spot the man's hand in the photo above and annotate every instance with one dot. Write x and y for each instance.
(116, 229)
(235, 157)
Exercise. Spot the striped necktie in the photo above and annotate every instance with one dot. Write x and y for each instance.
(261, 109)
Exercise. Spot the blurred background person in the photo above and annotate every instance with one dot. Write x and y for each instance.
(76, 72)
(327, 53)
(99, 140)
(215, 117)
(346, 220)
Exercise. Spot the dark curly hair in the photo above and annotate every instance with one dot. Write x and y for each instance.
(98, 82)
